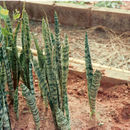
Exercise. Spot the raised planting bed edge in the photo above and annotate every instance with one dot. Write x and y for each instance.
(110, 76)
(76, 15)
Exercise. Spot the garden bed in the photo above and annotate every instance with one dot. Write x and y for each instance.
(113, 108)
(112, 102)
(107, 47)
(112, 48)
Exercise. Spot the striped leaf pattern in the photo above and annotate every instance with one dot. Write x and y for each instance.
(5, 122)
(57, 42)
(8, 71)
(50, 74)
(4, 115)
(41, 60)
(94, 89)
(42, 81)
(31, 79)
(89, 69)
(15, 71)
(15, 60)
(93, 80)
(41, 57)
(2, 75)
(58, 56)
(65, 68)
(6, 64)
(62, 122)
(10, 40)
(56, 62)
(10, 32)
(55, 71)
(25, 53)
(48, 35)
(16, 103)
(32, 104)
(23, 32)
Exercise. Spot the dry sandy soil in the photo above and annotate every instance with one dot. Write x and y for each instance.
(112, 112)
(106, 46)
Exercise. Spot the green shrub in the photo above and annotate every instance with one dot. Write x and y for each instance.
(109, 4)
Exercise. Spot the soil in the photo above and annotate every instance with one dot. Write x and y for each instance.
(106, 46)
(112, 108)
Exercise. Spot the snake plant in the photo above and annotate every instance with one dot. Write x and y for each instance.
(4, 113)
(30, 98)
(11, 58)
(26, 67)
(52, 72)
(93, 79)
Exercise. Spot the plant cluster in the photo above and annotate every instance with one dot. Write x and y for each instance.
(51, 67)
(73, 2)
(109, 4)
(14, 66)
(93, 79)
(52, 72)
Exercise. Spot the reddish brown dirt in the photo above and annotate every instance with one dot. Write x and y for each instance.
(112, 112)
